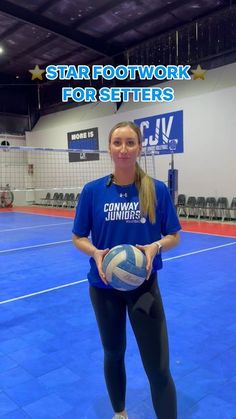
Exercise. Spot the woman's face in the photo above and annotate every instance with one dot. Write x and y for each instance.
(124, 147)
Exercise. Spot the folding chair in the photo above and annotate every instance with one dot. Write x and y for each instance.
(66, 200)
(181, 205)
(233, 209)
(71, 200)
(47, 199)
(191, 206)
(211, 207)
(223, 208)
(201, 207)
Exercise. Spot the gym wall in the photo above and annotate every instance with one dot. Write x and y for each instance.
(207, 166)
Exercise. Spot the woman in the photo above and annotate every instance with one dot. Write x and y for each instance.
(151, 224)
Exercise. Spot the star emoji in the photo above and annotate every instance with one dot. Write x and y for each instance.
(199, 73)
(37, 73)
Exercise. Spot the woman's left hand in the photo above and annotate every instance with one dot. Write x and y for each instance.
(150, 251)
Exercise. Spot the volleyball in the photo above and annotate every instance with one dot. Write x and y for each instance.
(125, 267)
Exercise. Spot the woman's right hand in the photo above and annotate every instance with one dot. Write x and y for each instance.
(98, 256)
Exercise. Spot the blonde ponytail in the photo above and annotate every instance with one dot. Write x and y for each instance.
(147, 194)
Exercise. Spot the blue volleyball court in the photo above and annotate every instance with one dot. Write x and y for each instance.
(50, 353)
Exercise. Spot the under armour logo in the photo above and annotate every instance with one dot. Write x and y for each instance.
(124, 195)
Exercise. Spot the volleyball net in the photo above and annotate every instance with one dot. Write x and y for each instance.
(36, 176)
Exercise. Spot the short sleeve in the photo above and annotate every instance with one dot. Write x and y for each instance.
(83, 219)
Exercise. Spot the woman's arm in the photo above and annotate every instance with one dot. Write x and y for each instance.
(165, 243)
(85, 246)
(168, 242)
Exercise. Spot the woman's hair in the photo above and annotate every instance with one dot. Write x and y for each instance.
(144, 183)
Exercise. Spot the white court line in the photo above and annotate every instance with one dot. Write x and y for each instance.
(199, 251)
(34, 246)
(85, 280)
(38, 226)
(42, 292)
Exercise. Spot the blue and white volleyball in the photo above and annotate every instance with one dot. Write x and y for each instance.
(125, 267)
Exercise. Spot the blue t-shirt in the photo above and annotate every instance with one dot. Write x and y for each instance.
(112, 215)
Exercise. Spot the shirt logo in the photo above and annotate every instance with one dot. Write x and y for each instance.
(127, 211)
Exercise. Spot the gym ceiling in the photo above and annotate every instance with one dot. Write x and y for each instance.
(43, 32)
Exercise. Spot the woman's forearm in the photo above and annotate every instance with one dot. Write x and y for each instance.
(169, 241)
(84, 244)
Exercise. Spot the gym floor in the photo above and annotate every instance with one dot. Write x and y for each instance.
(50, 353)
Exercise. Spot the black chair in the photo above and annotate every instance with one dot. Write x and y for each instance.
(223, 208)
(54, 199)
(60, 199)
(181, 205)
(191, 206)
(76, 199)
(211, 207)
(201, 207)
(46, 200)
(66, 200)
(233, 209)
(71, 200)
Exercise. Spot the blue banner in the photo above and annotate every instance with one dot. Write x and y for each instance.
(86, 139)
(162, 134)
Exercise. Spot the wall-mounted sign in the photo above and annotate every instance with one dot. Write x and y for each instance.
(86, 139)
(162, 134)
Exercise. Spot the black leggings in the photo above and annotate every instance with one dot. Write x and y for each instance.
(148, 322)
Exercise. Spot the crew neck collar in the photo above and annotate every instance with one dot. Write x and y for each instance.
(120, 184)
(129, 185)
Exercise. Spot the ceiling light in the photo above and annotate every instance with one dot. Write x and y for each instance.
(1, 50)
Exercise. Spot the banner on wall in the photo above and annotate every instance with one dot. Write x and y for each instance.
(86, 139)
(162, 134)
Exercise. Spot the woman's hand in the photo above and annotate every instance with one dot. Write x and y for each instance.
(85, 245)
(98, 256)
(150, 251)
